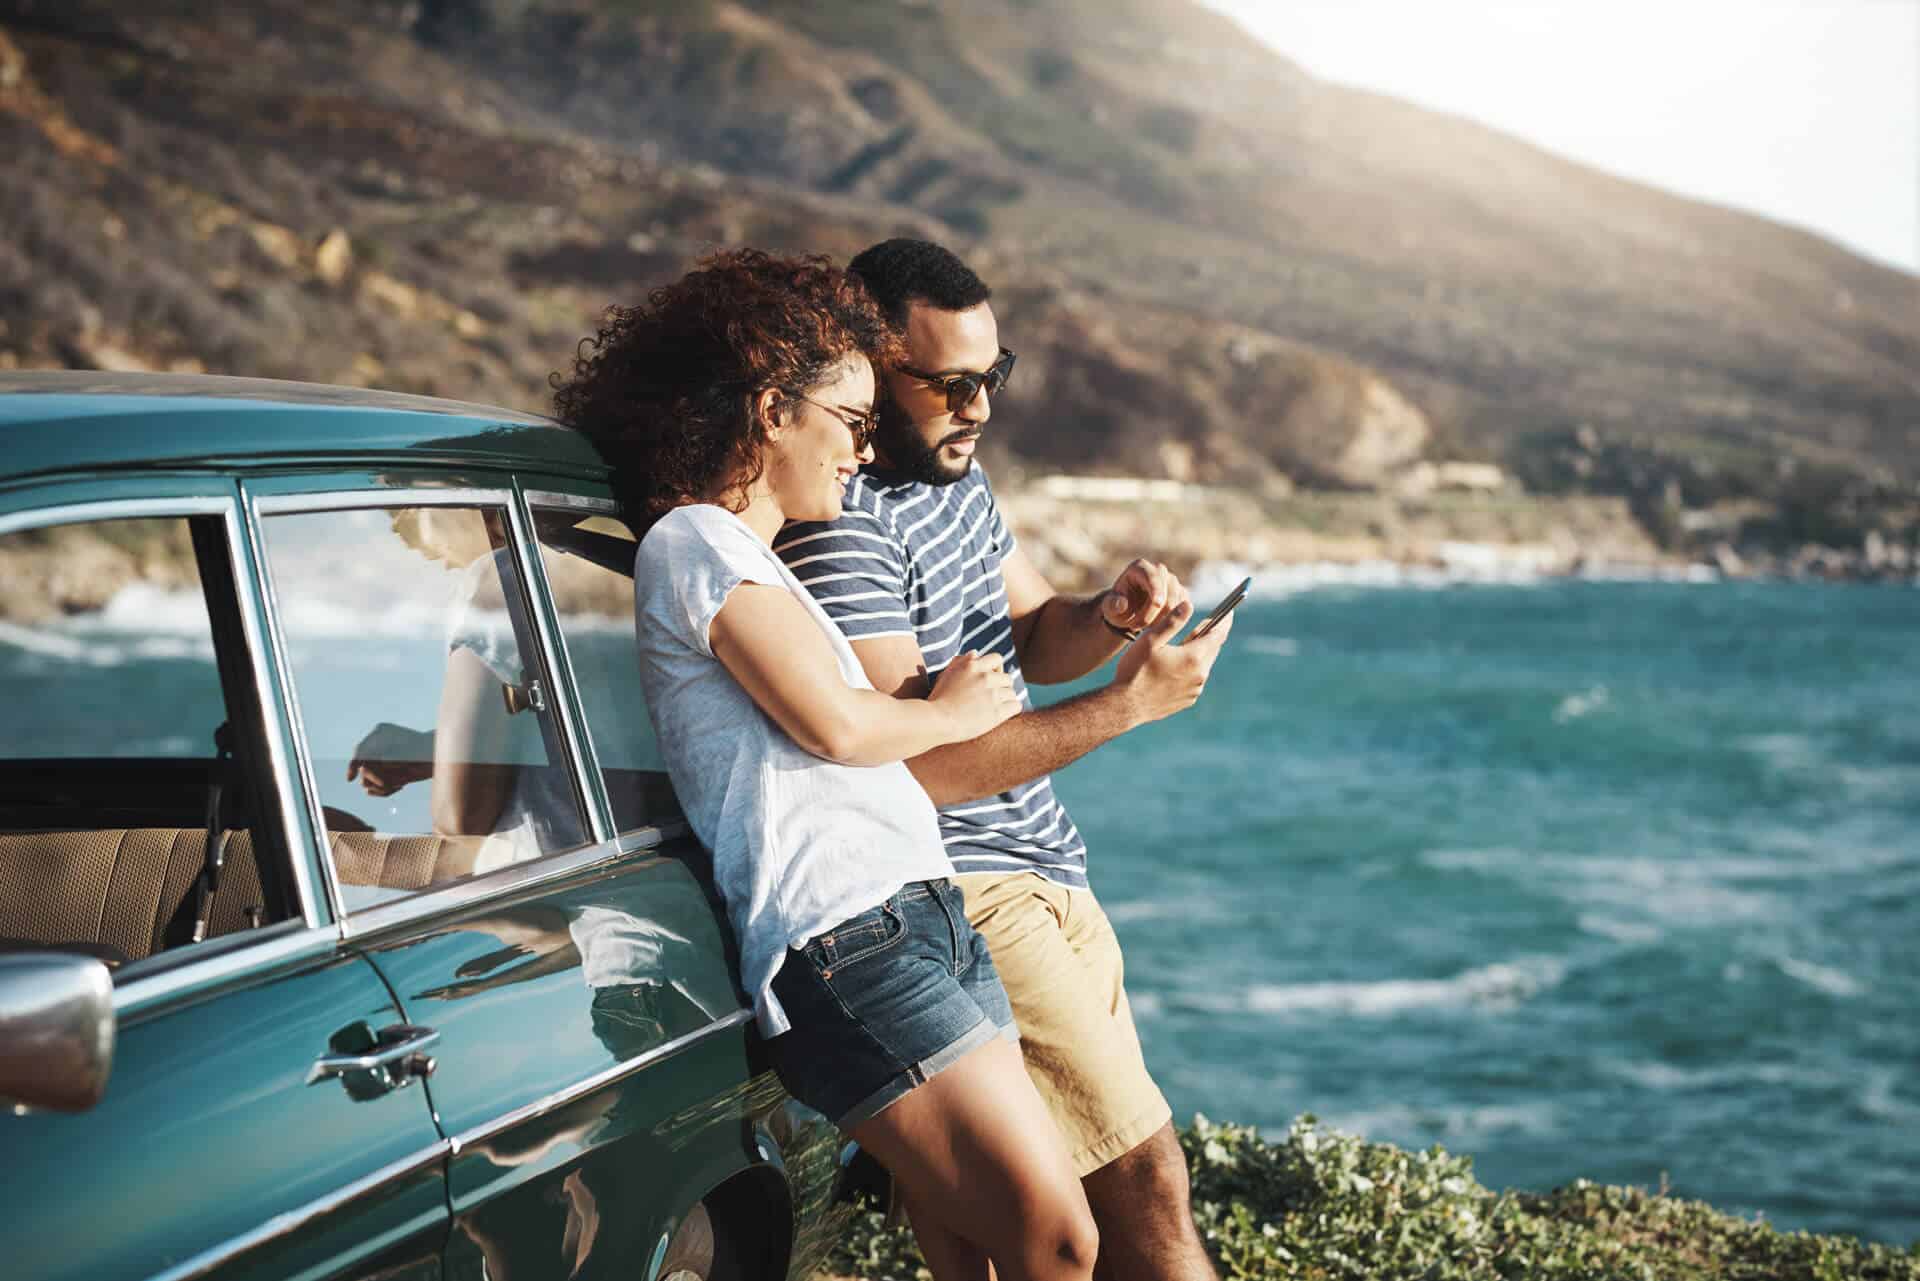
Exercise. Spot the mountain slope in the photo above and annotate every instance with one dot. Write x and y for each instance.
(1213, 264)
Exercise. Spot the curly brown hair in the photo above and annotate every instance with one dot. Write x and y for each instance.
(667, 390)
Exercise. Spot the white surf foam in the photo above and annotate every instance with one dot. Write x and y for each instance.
(1498, 986)
(1822, 978)
(1451, 1123)
(1575, 706)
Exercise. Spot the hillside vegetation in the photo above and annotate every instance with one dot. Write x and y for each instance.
(1215, 266)
(1319, 1205)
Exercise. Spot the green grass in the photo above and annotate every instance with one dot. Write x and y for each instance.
(1320, 1204)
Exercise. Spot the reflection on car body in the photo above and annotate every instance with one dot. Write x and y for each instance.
(344, 906)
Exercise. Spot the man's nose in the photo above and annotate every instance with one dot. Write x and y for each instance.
(977, 410)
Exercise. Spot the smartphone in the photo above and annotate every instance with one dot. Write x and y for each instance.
(1221, 610)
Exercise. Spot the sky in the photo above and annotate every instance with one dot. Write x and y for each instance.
(1805, 111)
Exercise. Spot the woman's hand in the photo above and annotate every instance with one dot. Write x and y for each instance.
(976, 692)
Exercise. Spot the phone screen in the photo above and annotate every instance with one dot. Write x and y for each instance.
(1224, 608)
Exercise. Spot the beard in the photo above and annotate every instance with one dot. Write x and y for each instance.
(896, 440)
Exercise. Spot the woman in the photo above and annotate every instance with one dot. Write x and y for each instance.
(735, 400)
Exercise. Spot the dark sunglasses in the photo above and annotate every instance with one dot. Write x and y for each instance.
(861, 425)
(962, 388)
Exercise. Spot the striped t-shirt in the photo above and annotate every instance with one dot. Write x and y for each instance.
(911, 559)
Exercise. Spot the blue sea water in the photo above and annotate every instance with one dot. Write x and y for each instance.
(1606, 880)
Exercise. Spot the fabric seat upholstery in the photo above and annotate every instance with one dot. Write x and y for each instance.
(117, 888)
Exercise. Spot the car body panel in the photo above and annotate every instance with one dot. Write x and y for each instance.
(73, 422)
(592, 1070)
(210, 1154)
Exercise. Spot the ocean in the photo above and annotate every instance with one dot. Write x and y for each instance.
(1613, 880)
(1604, 880)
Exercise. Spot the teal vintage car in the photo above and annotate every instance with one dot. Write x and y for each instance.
(348, 927)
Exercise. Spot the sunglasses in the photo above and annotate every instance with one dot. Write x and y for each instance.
(861, 425)
(962, 388)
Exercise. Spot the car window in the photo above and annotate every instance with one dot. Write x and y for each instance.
(127, 790)
(428, 729)
(588, 561)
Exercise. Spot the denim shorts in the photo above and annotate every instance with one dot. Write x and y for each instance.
(883, 1000)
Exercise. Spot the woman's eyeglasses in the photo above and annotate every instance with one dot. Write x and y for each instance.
(861, 425)
(962, 388)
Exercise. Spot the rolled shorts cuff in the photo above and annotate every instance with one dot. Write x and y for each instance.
(926, 1069)
(1104, 1151)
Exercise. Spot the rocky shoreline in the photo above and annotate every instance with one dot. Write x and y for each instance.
(1081, 533)
(1210, 536)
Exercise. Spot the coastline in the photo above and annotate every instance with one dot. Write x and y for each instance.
(1212, 536)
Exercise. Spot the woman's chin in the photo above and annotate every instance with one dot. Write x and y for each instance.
(828, 509)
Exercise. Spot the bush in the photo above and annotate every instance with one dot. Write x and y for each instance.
(1319, 1205)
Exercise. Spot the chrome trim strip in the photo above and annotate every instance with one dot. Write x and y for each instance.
(243, 537)
(551, 498)
(243, 958)
(113, 509)
(293, 1220)
(302, 758)
(584, 765)
(458, 894)
(646, 838)
(361, 499)
(599, 1080)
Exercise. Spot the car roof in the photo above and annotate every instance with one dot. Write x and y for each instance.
(147, 421)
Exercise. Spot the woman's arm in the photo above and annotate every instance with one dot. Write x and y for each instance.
(770, 644)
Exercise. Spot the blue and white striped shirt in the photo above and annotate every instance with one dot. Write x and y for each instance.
(911, 559)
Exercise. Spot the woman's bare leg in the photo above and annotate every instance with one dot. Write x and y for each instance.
(977, 1154)
(950, 1256)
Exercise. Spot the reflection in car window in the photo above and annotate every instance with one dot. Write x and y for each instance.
(589, 564)
(124, 818)
(432, 743)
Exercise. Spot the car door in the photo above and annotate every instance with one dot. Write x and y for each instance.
(593, 1073)
(243, 1131)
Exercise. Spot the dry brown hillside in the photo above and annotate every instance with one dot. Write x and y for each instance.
(1214, 265)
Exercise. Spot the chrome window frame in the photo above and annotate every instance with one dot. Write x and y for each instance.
(433, 901)
(639, 838)
(292, 940)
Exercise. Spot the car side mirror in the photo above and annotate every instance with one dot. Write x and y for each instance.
(56, 1030)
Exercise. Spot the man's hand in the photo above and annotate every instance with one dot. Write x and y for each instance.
(1143, 594)
(1160, 678)
(390, 757)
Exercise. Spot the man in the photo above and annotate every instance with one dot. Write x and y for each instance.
(919, 568)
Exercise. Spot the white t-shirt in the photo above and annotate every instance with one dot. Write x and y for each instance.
(799, 843)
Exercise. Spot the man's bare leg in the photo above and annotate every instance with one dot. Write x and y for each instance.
(1141, 1203)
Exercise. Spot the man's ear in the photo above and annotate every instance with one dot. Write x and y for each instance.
(764, 406)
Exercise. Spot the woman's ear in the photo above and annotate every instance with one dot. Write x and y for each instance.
(764, 407)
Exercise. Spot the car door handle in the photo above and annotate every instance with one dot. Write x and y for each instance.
(397, 1059)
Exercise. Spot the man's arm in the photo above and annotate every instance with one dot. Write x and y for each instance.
(1062, 638)
(1153, 680)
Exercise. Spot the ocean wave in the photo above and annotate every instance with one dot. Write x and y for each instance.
(1619, 931)
(1499, 986)
(1454, 1123)
(1707, 890)
(1660, 1075)
(1575, 706)
(1460, 565)
(117, 635)
(1822, 978)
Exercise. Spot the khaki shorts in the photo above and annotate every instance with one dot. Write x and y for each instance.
(1060, 962)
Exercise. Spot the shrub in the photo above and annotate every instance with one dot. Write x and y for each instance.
(1318, 1205)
